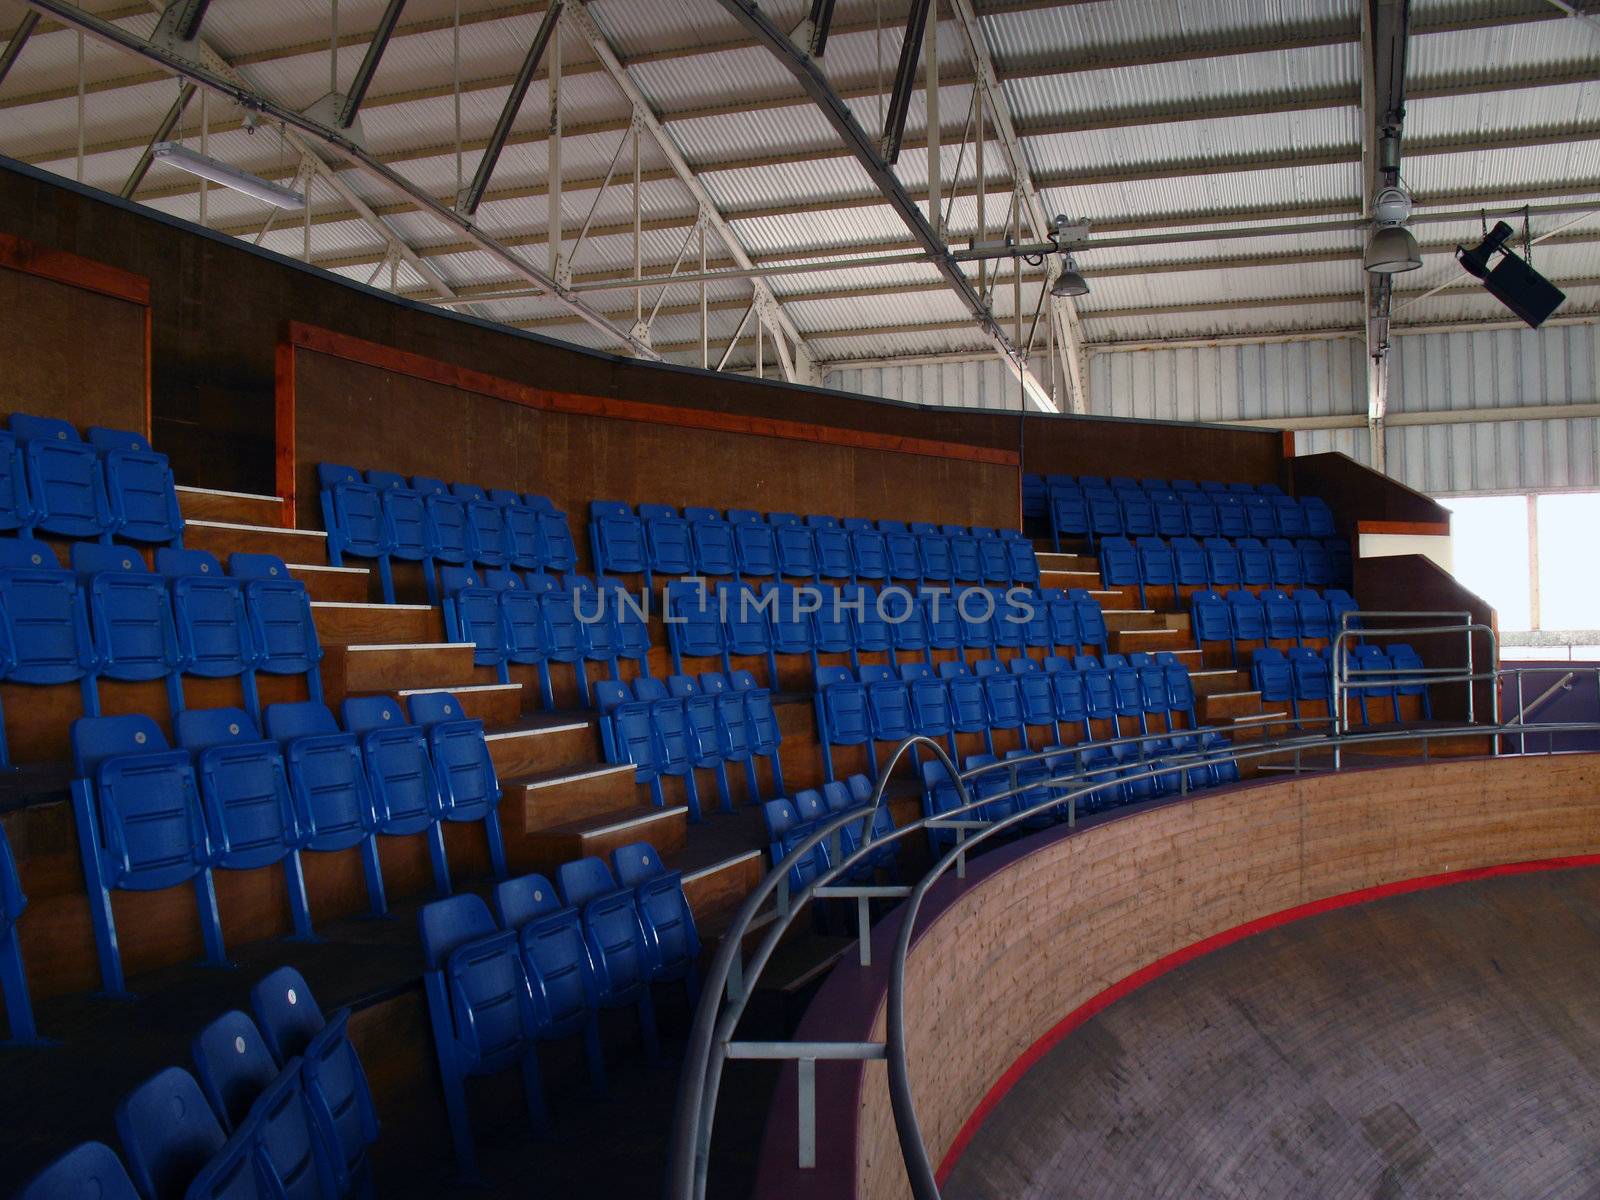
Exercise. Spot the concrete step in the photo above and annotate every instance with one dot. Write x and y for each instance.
(357, 669)
(223, 538)
(495, 704)
(245, 508)
(344, 622)
(347, 585)
(545, 743)
(664, 828)
(555, 798)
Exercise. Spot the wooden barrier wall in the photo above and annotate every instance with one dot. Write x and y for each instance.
(574, 448)
(1039, 929)
(75, 338)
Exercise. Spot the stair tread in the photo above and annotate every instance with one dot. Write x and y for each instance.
(568, 774)
(613, 817)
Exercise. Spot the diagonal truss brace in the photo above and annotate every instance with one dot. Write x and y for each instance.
(797, 367)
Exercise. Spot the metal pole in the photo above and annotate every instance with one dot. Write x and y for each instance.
(205, 148)
(931, 105)
(163, 131)
(369, 63)
(1534, 621)
(977, 159)
(19, 39)
(705, 333)
(638, 251)
(81, 82)
(508, 112)
(553, 154)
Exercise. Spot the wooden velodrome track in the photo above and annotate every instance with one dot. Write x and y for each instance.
(1444, 1043)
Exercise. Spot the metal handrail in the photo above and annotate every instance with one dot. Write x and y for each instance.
(711, 1039)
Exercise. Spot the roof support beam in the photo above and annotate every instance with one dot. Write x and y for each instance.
(19, 39)
(905, 79)
(369, 63)
(227, 82)
(814, 84)
(796, 366)
(820, 21)
(163, 131)
(473, 196)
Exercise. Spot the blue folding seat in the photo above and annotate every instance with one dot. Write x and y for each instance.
(1371, 677)
(469, 789)
(788, 623)
(831, 631)
(797, 547)
(869, 551)
(745, 632)
(401, 776)
(1316, 568)
(233, 1066)
(933, 552)
(617, 941)
(1313, 615)
(287, 1152)
(141, 827)
(1281, 616)
(1021, 558)
(735, 736)
(1285, 560)
(711, 541)
(1273, 678)
(628, 734)
(870, 628)
(1189, 566)
(1037, 633)
(843, 718)
(88, 1169)
(694, 626)
(1290, 517)
(1068, 692)
(480, 1007)
(1171, 520)
(168, 1133)
(1119, 563)
(969, 705)
(1091, 619)
(1404, 658)
(975, 610)
(1180, 688)
(1100, 696)
(1062, 611)
(1069, 514)
(941, 797)
(674, 738)
(212, 622)
(1035, 495)
(1341, 570)
(664, 913)
(282, 629)
(13, 979)
(1219, 758)
(755, 544)
(1128, 695)
(966, 563)
(286, 1013)
(1157, 566)
(1037, 696)
(485, 525)
(1105, 514)
(405, 516)
(558, 551)
(1037, 798)
(1255, 562)
(524, 547)
(888, 705)
(142, 494)
(1155, 697)
(1319, 517)
(990, 784)
(1138, 514)
(1010, 621)
(1260, 516)
(616, 535)
(994, 561)
(901, 548)
(1222, 563)
(474, 612)
(244, 793)
(1313, 680)
(45, 617)
(1199, 514)
(65, 480)
(1002, 697)
(833, 548)
(929, 699)
(1232, 519)
(940, 618)
(629, 616)
(448, 531)
(1247, 617)
(341, 1105)
(902, 615)
(16, 505)
(556, 960)
(669, 543)
(595, 622)
(563, 634)
(703, 732)
(765, 736)
(130, 617)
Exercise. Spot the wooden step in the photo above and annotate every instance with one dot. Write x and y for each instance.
(556, 798)
(1190, 658)
(244, 508)
(717, 890)
(1216, 679)
(1114, 599)
(664, 828)
(387, 667)
(1134, 618)
(223, 538)
(495, 704)
(341, 621)
(528, 748)
(1069, 579)
(1149, 640)
(1217, 707)
(339, 584)
(1049, 560)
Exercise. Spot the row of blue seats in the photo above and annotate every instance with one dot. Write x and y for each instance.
(1374, 673)
(281, 1108)
(544, 965)
(881, 704)
(735, 620)
(535, 619)
(1094, 514)
(790, 821)
(658, 540)
(112, 486)
(1305, 615)
(150, 817)
(110, 617)
(1221, 563)
(1119, 766)
(384, 517)
(1036, 487)
(672, 729)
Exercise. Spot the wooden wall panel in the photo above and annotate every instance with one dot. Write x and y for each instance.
(1357, 493)
(1160, 449)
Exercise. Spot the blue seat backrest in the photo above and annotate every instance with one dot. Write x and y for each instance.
(300, 718)
(340, 1101)
(16, 504)
(429, 708)
(447, 925)
(202, 728)
(91, 1169)
(168, 1133)
(46, 615)
(140, 486)
(520, 900)
(636, 863)
(364, 714)
(233, 1065)
(65, 478)
(286, 1013)
(286, 1142)
(584, 879)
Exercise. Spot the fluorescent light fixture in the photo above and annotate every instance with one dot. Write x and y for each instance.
(178, 155)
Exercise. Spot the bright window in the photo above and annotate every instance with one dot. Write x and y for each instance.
(1489, 545)
(1569, 561)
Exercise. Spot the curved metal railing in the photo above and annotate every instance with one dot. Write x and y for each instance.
(728, 984)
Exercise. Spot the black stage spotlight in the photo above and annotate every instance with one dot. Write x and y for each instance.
(1511, 281)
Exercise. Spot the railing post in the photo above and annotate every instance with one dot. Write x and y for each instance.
(961, 854)
(864, 930)
(736, 977)
(806, 1109)
(1522, 718)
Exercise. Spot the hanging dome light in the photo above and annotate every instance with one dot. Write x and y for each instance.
(1069, 282)
(1391, 248)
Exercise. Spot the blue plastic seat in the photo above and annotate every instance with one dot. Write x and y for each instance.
(831, 632)
(1037, 695)
(1247, 617)
(630, 617)
(1222, 563)
(212, 621)
(745, 632)
(1069, 514)
(287, 1151)
(598, 633)
(703, 734)
(675, 743)
(1285, 562)
(1138, 514)
(469, 790)
(1233, 521)
(1273, 678)
(340, 1103)
(1291, 518)
(168, 1133)
(46, 624)
(965, 558)
(796, 547)
(1370, 675)
(618, 945)
(448, 531)
(940, 796)
(734, 735)
(1319, 517)
(1157, 567)
(1313, 615)
(564, 640)
(474, 612)
(282, 629)
(940, 619)
(888, 705)
(1091, 619)
(130, 616)
(244, 793)
(139, 487)
(1282, 617)
(1171, 518)
(628, 734)
(616, 536)
(1189, 567)
(833, 548)
(994, 561)
(929, 699)
(1404, 658)
(693, 622)
(1199, 515)
(486, 525)
(664, 914)
(755, 544)
(766, 738)
(1119, 563)
(13, 978)
(870, 627)
(900, 545)
(843, 718)
(1313, 679)
(1062, 612)
(869, 551)
(1002, 697)
(1260, 516)
(480, 1008)
(1068, 692)
(1180, 687)
(404, 524)
(233, 1066)
(934, 552)
(401, 775)
(557, 549)
(16, 504)
(65, 480)
(89, 1169)
(788, 623)
(286, 1013)
(524, 542)
(1255, 562)
(969, 704)
(1316, 566)
(140, 827)
(712, 538)
(669, 544)
(1024, 562)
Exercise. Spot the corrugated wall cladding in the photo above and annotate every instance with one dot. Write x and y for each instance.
(1230, 383)
(979, 383)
